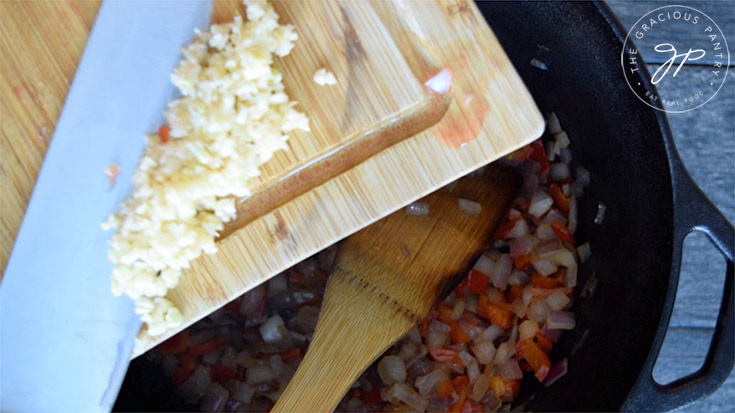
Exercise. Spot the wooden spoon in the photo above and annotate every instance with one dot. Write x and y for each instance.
(387, 278)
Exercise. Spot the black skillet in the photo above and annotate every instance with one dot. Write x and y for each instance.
(652, 204)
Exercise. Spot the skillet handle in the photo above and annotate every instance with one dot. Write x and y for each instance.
(693, 212)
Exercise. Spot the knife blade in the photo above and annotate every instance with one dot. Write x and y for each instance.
(65, 340)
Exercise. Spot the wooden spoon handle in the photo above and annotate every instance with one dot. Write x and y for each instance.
(387, 278)
(325, 375)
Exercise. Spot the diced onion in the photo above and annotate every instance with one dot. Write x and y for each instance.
(484, 265)
(582, 176)
(589, 287)
(518, 307)
(404, 393)
(559, 171)
(509, 370)
(573, 213)
(273, 330)
(428, 383)
(553, 334)
(473, 372)
(417, 208)
(469, 207)
(277, 284)
(193, 388)
(530, 185)
(556, 372)
(538, 64)
(527, 329)
(479, 388)
(561, 139)
(520, 246)
(502, 271)
(518, 278)
(505, 351)
(543, 266)
(565, 155)
(540, 203)
(252, 300)
(538, 311)
(552, 123)
(259, 374)
(549, 247)
(562, 320)
(557, 300)
(490, 334)
(392, 369)
(544, 231)
(584, 251)
(600, 216)
(554, 215)
(520, 229)
(466, 357)
(214, 399)
(484, 352)
(244, 393)
(570, 278)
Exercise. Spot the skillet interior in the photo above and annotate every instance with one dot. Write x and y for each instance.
(620, 141)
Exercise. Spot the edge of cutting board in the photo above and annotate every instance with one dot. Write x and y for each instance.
(389, 180)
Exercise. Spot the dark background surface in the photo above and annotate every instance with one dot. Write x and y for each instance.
(705, 138)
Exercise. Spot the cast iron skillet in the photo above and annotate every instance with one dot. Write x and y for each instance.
(652, 204)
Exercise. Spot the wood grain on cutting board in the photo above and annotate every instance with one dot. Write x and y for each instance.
(381, 53)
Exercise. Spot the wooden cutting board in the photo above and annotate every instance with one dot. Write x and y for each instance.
(334, 180)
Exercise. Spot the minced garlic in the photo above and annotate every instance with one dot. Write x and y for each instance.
(232, 116)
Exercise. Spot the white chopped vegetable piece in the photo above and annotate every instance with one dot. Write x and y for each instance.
(469, 207)
(324, 77)
(417, 208)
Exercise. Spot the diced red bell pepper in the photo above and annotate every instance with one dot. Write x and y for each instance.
(445, 388)
(561, 200)
(496, 313)
(220, 372)
(537, 358)
(181, 374)
(525, 206)
(505, 390)
(459, 290)
(164, 133)
(443, 354)
(539, 155)
(544, 282)
(372, 397)
(543, 342)
(502, 232)
(522, 261)
(513, 293)
(469, 407)
(562, 232)
(189, 360)
(457, 334)
(477, 282)
(461, 386)
(176, 344)
(207, 346)
(523, 364)
(291, 356)
(445, 313)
